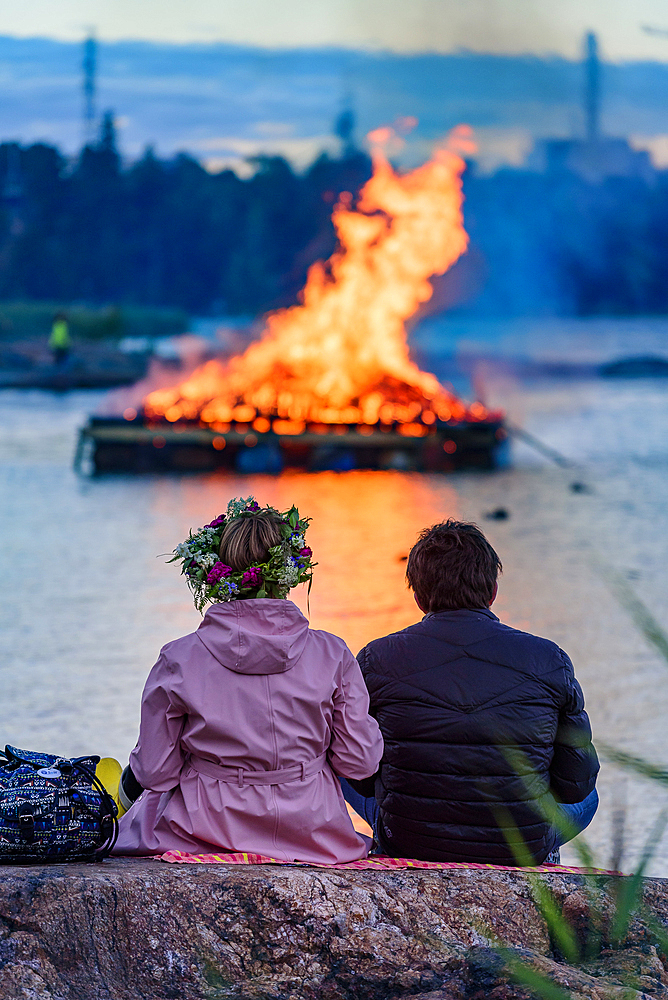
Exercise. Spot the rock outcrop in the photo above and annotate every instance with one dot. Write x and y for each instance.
(128, 929)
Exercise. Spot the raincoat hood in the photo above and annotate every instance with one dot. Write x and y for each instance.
(262, 636)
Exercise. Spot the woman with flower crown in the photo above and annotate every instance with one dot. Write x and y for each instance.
(246, 723)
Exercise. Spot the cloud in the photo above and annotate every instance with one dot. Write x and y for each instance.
(232, 151)
(274, 129)
(501, 147)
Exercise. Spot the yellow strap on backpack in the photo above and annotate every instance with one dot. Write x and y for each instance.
(109, 772)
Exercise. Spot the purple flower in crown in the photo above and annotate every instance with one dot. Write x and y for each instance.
(253, 506)
(252, 577)
(216, 521)
(217, 572)
(306, 552)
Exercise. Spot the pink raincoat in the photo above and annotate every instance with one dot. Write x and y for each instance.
(245, 724)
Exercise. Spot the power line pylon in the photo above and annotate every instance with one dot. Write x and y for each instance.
(89, 89)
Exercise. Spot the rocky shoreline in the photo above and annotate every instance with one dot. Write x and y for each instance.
(130, 929)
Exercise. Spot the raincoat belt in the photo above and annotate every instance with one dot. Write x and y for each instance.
(241, 776)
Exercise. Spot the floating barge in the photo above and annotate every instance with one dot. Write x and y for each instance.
(114, 444)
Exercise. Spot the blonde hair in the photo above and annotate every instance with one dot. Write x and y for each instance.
(246, 540)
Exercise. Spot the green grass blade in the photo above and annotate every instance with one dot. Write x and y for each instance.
(640, 614)
(630, 888)
(560, 930)
(553, 814)
(569, 834)
(549, 806)
(525, 975)
(640, 766)
(659, 932)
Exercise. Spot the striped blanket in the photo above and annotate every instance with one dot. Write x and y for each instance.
(376, 861)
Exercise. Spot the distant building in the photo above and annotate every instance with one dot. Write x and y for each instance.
(594, 161)
(595, 157)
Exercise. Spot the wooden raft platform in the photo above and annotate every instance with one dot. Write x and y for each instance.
(116, 445)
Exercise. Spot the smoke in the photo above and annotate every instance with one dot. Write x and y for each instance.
(181, 356)
(497, 26)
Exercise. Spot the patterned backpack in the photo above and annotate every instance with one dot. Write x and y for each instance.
(53, 809)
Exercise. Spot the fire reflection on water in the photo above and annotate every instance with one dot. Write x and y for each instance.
(364, 524)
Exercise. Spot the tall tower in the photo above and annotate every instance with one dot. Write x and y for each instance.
(592, 102)
(344, 127)
(89, 71)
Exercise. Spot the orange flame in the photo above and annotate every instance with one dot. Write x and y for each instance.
(341, 356)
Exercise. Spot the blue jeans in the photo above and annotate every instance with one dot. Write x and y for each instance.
(578, 814)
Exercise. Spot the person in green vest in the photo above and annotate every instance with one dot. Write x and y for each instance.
(59, 341)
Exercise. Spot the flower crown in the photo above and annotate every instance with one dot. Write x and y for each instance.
(210, 580)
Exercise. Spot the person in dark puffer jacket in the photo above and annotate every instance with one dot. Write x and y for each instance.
(465, 704)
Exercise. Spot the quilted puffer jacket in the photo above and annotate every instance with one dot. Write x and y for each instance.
(478, 720)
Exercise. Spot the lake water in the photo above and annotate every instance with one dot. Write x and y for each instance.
(87, 600)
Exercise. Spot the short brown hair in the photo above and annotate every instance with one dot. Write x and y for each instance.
(246, 540)
(452, 566)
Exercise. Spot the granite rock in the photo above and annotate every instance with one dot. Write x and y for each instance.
(130, 929)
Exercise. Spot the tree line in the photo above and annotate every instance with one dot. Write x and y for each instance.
(168, 233)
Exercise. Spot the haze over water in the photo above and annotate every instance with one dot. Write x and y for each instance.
(86, 601)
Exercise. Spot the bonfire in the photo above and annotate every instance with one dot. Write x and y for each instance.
(340, 357)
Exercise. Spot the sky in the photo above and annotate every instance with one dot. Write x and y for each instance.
(501, 26)
(223, 102)
(274, 74)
